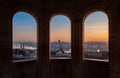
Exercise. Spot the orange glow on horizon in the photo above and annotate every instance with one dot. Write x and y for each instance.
(60, 36)
(96, 27)
(101, 36)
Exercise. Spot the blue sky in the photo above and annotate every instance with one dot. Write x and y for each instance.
(60, 28)
(25, 27)
(96, 27)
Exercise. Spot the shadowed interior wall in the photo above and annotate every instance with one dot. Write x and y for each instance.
(95, 69)
(45, 68)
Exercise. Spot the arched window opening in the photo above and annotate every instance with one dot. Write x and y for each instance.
(60, 37)
(96, 37)
(24, 37)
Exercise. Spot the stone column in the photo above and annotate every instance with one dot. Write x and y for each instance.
(5, 44)
(114, 63)
(77, 47)
(43, 55)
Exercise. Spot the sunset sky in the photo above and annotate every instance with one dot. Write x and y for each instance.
(60, 28)
(24, 27)
(95, 27)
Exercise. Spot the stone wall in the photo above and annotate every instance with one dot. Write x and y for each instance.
(43, 10)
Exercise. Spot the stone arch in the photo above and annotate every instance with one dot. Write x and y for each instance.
(31, 12)
(29, 41)
(68, 21)
(107, 20)
(92, 10)
(61, 12)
